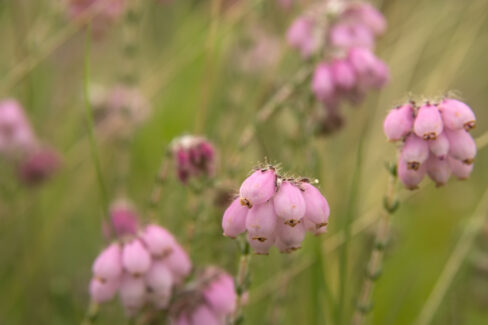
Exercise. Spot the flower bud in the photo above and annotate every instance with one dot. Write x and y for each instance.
(132, 293)
(221, 295)
(312, 227)
(323, 82)
(301, 36)
(343, 74)
(415, 151)
(317, 208)
(135, 258)
(461, 145)
(346, 35)
(16, 133)
(103, 290)
(259, 244)
(289, 204)
(289, 239)
(124, 219)
(108, 265)
(160, 282)
(368, 15)
(399, 122)
(460, 169)
(39, 165)
(411, 178)
(428, 123)
(204, 315)
(371, 71)
(159, 241)
(457, 115)
(258, 188)
(440, 146)
(438, 170)
(261, 221)
(234, 219)
(179, 263)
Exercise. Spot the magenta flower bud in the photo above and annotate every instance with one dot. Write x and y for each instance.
(438, 170)
(259, 244)
(343, 74)
(289, 204)
(428, 123)
(132, 293)
(108, 265)
(179, 263)
(204, 315)
(440, 146)
(457, 115)
(415, 151)
(411, 178)
(368, 15)
(159, 280)
(135, 258)
(102, 290)
(124, 219)
(460, 169)
(399, 122)
(371, 71)
(159, 241)
(347, 35)
(234, 219)
(261, 221)
(289, 239)
(317, 208)
(221, 295)
(461, 145)
(301, 36)
(38, 166)
(258, 188)
(323, 82)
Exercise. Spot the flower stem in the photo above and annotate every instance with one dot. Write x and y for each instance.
(374, 265)
(242, 281)
(91, 314)
(157, 190)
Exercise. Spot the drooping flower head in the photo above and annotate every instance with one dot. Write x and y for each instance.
(102, 13)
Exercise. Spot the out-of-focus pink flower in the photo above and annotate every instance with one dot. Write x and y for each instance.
(102, 12)
(38, 165)
(16, 135)
(135, 258)
(349, 35)
(302, 36)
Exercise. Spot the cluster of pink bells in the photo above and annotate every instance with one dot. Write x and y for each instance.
(276, 211)
(436, 140)
(146, 266)
(20, 146)
(346, 31)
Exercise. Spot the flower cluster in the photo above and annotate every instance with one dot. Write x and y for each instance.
(210, 300)
(194, 156)
(276, 210)
(102, 12)
(351, 69)
(34, 161)
(142, 265)
(436, 140)
(118, 111)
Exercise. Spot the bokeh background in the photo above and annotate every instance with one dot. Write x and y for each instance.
(199, 67)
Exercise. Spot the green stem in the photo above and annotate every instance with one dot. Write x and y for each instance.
(242, 281)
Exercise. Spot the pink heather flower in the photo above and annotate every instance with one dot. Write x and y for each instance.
(368, 15)
(204, 315)
(108, 265)
(290, 239)
(289, 204)
(301, 36)
(343, 74)
(312, 227)
(159, 242)
(323, 82)
(258, 188)
(415, 151)
(460, 169)
(124, 219)
(261, 245)
(428, 123)
(457, 115)
(103, 290)
(159, 280)
(411, 178)
(221, 295)
(399, 122)
(346, 35)
(234, 219)
(135, 258)
(106, 11)
(440, 146)
(38, 165)
(179, 263)
(261, 221)
(461, 145)
(371, 71)
(132, 293)
(16, 135)
(194, 156)
(438, 170)
(317, 208)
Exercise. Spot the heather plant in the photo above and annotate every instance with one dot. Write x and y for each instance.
(156, 111)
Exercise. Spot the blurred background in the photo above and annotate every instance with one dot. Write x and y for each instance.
(207, 67)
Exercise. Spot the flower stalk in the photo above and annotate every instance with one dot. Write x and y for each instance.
(242, 282)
